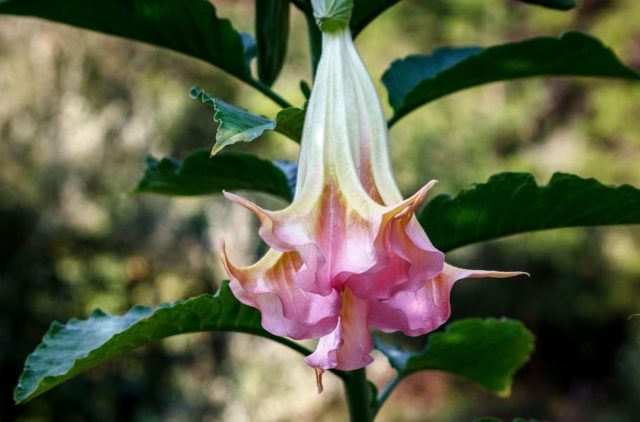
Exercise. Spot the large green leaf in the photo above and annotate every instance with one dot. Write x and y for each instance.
(236, 124)
(69, 349)
(187, 26)
(417, 80)
(511, 203)
(365, 11)
(272, 36)
(200, 174)
(488, 352)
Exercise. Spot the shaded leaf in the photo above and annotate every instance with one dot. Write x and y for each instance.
(417, 80)
(272, 36)
(187, 26)
(511, 203)
(236, 124)
(488, 352)
(69, 349)
(290, 170)
(365, 11)
(554, 4)
(200, 174)
(290, 122)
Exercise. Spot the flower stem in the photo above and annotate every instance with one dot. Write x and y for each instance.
(315, 39)
(358, 396)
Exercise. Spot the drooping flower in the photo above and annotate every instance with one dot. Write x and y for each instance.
(348, 254)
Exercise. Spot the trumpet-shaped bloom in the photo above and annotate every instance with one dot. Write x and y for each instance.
(348, 254)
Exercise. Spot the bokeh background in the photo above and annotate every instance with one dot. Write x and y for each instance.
(79, 112)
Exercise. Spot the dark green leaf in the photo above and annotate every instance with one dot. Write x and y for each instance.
(488, 352)
(200, 174)
(290, 122)
(511, 203)
(365, 11)
(554, 4)
(417, 80)
(272, 35)
(187, 26)
(238, 125)
(69, 349)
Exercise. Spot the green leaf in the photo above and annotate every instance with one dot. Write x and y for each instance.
(290, 122)
(488, 352)
(272, 36)
(365, 11)
(554, 4)
(200, 174)
(417, 80)
(187, 26)
(234, 123)
(512, 203)
(238, 125)
(69, 349)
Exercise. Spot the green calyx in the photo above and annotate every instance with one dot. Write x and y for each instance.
(332, 15)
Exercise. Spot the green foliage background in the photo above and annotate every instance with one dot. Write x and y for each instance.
(79, 112)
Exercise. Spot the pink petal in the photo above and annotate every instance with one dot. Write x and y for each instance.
(286, 309)
(405, 255)
(348, 346)
(417, 312)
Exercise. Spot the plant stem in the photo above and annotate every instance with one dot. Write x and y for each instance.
(315, 39)
(358, 396)
(267, 91)
(385, 393)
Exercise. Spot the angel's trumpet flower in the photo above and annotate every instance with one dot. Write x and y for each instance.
(348, 254)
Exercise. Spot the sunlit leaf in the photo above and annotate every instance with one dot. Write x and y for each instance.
(200, 174)
(417, 80)
(488, 352)
(187, 26)
(70, 349)
(236, 124)
(512, 203)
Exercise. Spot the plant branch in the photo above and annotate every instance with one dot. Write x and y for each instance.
(268, 92)
(315, 40)
(385, 393)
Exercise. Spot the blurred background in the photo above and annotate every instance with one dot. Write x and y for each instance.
(79, 112)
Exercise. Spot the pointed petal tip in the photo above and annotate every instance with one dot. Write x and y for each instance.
(244, 202)
(409, 205)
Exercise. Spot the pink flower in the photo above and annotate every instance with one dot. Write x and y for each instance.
(348, 255)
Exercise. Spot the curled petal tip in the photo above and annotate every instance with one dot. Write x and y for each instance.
(319, 373)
